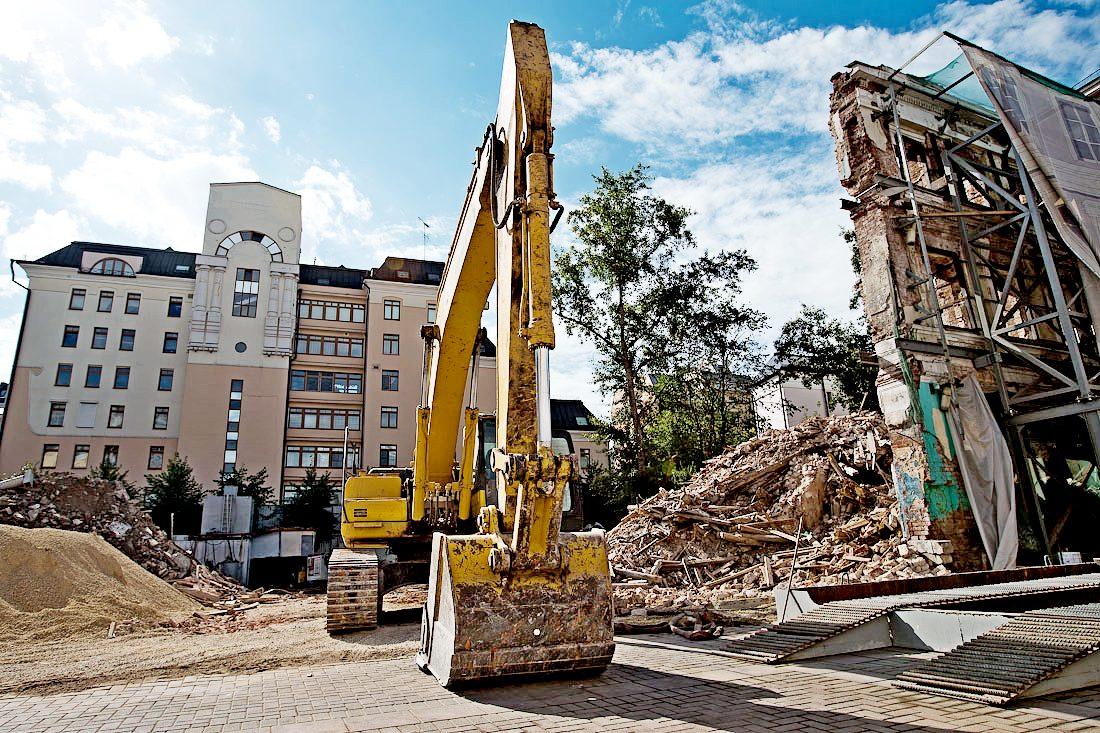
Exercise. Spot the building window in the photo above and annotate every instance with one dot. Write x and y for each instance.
(115, 416)
(171, 341)
(112, 266)
(319, 418)
(586, 458)
(233, 425)
(49, 455)
(582, 420)
(389, 380)
(431, 312)
(246, 292)
(64, 375)
(57, 415)
(85, 414)
(391, 310)
(99, 338)
(110, 455)
(133, 303)
(160, 418)
(328, 346)
(344, 383)
(156, 457)
(1082, 130)
(249, 236)
(175, 306)
(391, 344)
(321, 456)
(76, 299)
(126, 341)
(164, 384)
(387, 454)
(389, 417)
(325, 310)
(122, 377)
(80, 456)
(106, 301)
(93, 376)
(69, 338)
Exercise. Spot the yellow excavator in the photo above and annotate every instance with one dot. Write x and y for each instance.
(514, 595)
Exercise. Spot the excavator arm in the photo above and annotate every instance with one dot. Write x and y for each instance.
(520, 597)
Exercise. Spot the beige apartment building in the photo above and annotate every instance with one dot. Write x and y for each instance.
(238, 356)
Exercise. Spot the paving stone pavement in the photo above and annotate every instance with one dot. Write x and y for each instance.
(656, 683)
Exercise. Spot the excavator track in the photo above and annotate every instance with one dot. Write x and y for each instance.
(354, 601)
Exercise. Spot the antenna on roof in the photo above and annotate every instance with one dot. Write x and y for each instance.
(424, 240)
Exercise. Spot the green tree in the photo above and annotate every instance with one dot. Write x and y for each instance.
(248, 484)
(813, 346)
(632, 286)
(310, 508)
(107, 471)
(174, 491)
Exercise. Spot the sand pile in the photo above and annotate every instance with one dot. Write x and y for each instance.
(730, 531)
(56, 584)
(105, 508)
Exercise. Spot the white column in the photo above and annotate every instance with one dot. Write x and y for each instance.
(197, 337)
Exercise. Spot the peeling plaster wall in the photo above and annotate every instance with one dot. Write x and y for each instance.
(926, 475)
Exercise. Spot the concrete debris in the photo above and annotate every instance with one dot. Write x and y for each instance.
(729, 533)
(105, 508)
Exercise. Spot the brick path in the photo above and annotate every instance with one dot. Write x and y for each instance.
(657, 683)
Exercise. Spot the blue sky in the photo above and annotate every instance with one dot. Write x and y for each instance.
(115, 116)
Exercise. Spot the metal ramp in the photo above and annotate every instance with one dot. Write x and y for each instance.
(841, 627)
(1037, 653)
(785, 640)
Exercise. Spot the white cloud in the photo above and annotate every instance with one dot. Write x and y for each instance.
(128, 36)
(272, 129)
(161, 201)
(745, 76)
(43, 234)
(783, 209)
(334, 211)
(22, 122)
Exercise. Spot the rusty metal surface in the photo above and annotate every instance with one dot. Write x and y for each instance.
(780, 640)
(1001, 665)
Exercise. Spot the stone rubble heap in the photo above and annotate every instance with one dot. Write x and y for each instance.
(729, 533)
(106, 509)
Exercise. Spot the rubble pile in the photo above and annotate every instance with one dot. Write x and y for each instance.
(730, 532)
(104, 508)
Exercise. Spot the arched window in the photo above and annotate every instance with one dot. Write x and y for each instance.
(246, 236)
(112, 266)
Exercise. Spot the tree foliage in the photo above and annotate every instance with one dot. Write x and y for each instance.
(248, 484)
(812, 346)
(669, 333)
(174, 491)
(310, 507)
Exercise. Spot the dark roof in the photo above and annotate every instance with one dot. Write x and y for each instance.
(488, 348)
(421, 272)
(162, 262)
(337, 277)
(564, 415)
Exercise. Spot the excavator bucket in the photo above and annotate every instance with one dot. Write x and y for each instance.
(481, 626)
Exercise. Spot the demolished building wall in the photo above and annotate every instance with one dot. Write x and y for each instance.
(945, 261)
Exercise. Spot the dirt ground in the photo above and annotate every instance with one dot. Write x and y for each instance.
(288, 633)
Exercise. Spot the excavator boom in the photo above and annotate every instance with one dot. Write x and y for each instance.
(520, 597)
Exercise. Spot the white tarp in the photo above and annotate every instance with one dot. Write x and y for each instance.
(1056, 131)
(986, 467)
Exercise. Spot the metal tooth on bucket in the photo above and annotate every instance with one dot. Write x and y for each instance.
(480, 626)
